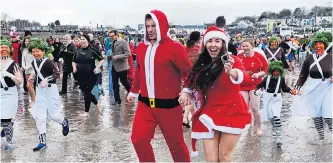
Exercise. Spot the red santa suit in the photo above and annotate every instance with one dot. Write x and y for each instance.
(225, 109)
(253, 64)
(157, 84)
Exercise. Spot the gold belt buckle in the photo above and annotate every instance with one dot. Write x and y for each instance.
(152, 102)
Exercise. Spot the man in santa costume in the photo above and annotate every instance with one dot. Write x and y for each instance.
(161, 64)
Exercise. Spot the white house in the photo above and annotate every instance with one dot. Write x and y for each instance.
(244, 24)
(324, 17)
(189, 28)
(285, 30)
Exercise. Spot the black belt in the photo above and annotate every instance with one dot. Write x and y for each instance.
(159, 103)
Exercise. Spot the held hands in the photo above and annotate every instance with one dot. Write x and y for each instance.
(130, 99)
(43, 83)
(255, 75)
(294, 92)
(185, 99)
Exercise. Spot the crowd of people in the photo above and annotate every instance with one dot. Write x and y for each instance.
(209, 82)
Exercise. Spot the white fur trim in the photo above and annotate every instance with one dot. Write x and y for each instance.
(158, 30)
(209, 123)
(187, 90)
(217, 34)
(240, 77)
(150, 70)
(194, 154)
(136, 95)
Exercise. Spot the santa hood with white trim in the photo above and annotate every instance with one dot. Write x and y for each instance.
(162, 26)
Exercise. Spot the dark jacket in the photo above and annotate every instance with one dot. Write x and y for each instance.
(67, 56)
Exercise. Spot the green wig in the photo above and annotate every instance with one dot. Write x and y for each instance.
(274, 38)
(9, 44)
(37, 43)
(275, 65)
(328, 36)
(5, 42)
(320, 38)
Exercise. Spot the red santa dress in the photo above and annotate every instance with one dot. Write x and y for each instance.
(157, 84)
(225, 109)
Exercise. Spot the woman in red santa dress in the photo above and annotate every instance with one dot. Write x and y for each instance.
(256, 66)
(223, 114)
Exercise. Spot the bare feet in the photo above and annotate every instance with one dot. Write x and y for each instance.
(85, 114)
(259, 132)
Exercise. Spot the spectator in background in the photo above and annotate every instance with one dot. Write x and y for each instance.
(94, 43)
(67, 53)
(221, 24)
(16, 46)
(119, 57)
(57, 47)
(264, 43)
(77, 42)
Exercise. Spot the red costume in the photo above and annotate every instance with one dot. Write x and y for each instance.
(253, 64)
(158, 75)
(130, 72)
(225, 109)
(16, 47)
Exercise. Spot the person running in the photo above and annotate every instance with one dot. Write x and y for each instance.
(47, 96)
(10, 76)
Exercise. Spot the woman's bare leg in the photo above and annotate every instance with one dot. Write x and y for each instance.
(227, 146)
(211, 147)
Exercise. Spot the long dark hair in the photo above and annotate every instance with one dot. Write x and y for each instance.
(23, 42)
(205, 71)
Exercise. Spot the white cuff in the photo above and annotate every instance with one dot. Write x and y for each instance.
(240, 77)
(136, 95)
(187, 90)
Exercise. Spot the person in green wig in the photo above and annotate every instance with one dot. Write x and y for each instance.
(273, 85)
(47, 96)
(10, 77)
(314, 86)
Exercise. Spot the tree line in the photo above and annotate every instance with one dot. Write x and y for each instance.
(298, 13)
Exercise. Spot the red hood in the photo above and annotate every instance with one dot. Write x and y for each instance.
(162, 26)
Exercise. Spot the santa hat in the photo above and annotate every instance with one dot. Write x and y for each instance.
(213, 32)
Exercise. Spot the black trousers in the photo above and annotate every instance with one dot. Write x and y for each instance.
(86, 83)
(65, 75)
(122, 75)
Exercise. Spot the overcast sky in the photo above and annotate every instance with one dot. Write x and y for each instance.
(131, 12)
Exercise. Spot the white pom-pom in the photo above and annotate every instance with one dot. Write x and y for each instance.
(194, 154)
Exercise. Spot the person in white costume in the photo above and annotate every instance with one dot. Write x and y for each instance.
(10, 76)
(273, 85)
(314, 87)
(47, 95)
